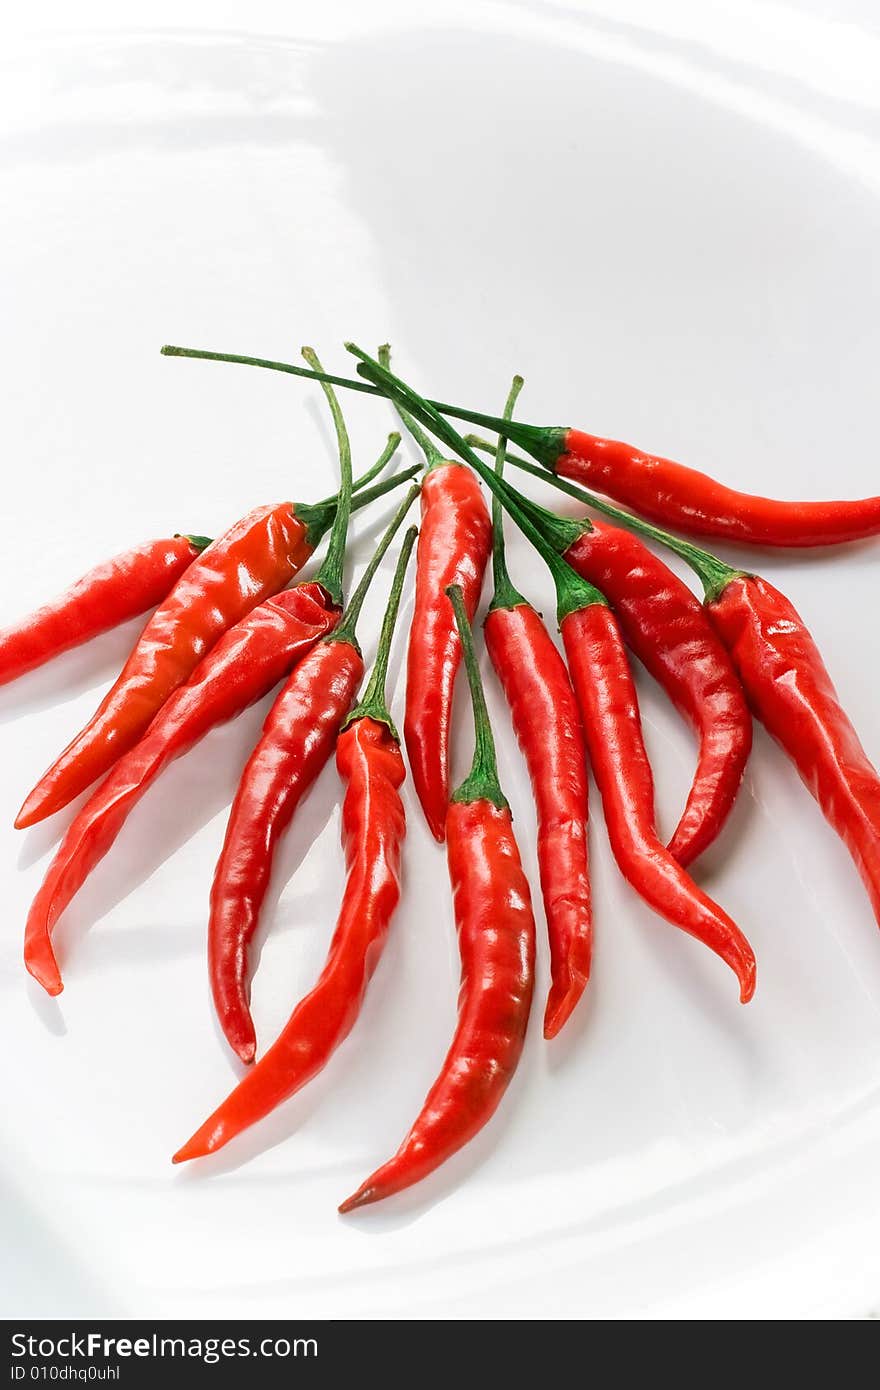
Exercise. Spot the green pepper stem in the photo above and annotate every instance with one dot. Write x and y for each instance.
(345, 632)
(330, 575)
(572, 592)
(543, 443)
(505, 595)
(389, 449)
(559, 531)
(713, 573)
(433, 456)
(373, 704)
(481, 783)
(198, 543)
(318, 517)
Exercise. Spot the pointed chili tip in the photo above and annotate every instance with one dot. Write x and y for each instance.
(29, 814)
(362, 1198)
(557, 1013)
(561, 1003)
(46, 973)
(193, 1148)
(747, 973)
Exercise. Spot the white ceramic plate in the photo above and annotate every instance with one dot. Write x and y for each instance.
(667, 218)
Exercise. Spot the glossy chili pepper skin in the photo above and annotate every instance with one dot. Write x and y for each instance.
(110, 594)
(373, 828)
(793, 695)
(297, 739)
(254, 559)
(496, 938)
(609, 706)
(455, 539)
(686, 500)
(247, 661)
(669, 631)
(548, 728)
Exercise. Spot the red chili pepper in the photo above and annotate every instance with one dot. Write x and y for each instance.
(609, 707)
(373, 827)
(658, 488)
(793, 695)
(607, 697)
(496, 939)
(256, 558)
(297, 739)
(667, 628)
(693, 502)
(247, 661)
(548, 728)
(455, 537)
(795, 699)
(110, 594)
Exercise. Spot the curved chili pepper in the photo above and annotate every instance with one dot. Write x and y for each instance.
(297, 739)
(373, 827)
(668, 629)
(455, 536)
(110, 594)
(693, 502)
(247, 661)
(256, 558)
(612, 727)
(667, 492)
(548, 728)
(607, 697)
(496, 941)
(793, 695)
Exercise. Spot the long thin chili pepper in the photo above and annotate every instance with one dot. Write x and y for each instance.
(496, 941)
(373, 828)
(549, 731)
(255, 559)
(247, 662)
(667, 492)
(455, 537)
(609, 707)
(793, 695)
(668, 629)
(112, 593)
(297, 739)
(128, 584)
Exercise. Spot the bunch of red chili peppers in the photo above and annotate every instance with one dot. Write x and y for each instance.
(229, 627)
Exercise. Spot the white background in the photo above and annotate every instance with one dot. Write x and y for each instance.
(666, 216)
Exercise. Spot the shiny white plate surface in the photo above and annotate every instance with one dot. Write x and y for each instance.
(667, 218)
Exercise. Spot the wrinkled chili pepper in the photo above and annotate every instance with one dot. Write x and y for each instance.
(297, 739)
(247, 661)
(793, 695)
(112, 593)
(612, 726)
(667, 492)
(256, 558)
(373, 828)
(455, 536)
(548, 728)
(496, 940)
(668, 629)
